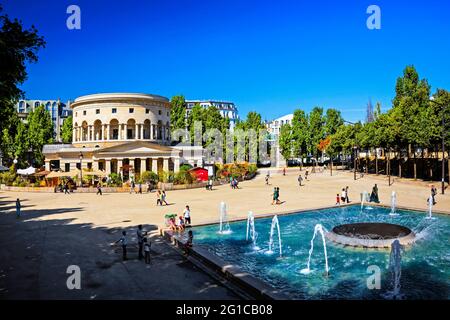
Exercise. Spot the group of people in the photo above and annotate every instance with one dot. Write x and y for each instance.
(276, 196)
(143, 244)
(133, 187)
(182, 222)
(161, 198)
(343, 198)
(234, 184)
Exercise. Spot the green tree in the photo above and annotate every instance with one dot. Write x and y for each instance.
(40, 132)
(285, 141)
(177, 113)
(66, 130)
(21, 143)
(18, 47)
(316, 130)
(300, 133)
(333, 120)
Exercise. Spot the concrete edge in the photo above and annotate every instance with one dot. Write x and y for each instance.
(252, 286)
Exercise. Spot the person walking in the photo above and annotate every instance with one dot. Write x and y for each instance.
(163, 198)
(147, 245)
(433, 194)
(158, 198)
(18, 207)
(140, 188)
(123, 241)
(267, 179)
(347, 200)
(132, 185)
(300, 179)
(306, 175)
(284, 171)
(338, 200)
(187, 216)
(374, 194)
(66, 188)
(343, 195)
(140, 238)
(99, 188)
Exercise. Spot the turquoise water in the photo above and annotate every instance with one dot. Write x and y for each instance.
(425, 264)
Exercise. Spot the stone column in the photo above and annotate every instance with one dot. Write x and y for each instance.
(108, 132)
(74, 134)
(176, 164)
(119, 166)
(142, 132)
(166, 164)
(155, 165)
(95, 164)
(47, 165)
(90, 133)
(136, 131)
(143, 167)
(108, 166)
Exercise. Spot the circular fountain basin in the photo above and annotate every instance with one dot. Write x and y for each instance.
(371, 235)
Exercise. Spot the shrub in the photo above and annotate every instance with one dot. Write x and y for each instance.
(183, 177)
(7, 178)
(115, 180)
(149, 177)
(185, 167)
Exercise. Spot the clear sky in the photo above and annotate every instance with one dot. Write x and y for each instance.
(267, 56)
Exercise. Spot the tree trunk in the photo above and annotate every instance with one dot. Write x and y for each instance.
(415, 167)
(331, 169)
(400, 164)
(376, 163)
(388, 169)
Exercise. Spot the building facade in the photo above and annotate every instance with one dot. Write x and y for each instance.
(226, 109)
(58, 111)
(274, 126)
(120, 133)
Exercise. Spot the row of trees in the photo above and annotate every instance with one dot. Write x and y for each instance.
(412, 128)
(303, 136)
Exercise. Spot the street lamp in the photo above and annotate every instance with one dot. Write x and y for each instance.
(443, 141)
(81, 169)
(15, 164)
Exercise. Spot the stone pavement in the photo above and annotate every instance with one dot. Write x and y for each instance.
(58, 230)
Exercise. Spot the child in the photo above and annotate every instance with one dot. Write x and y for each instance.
(123, 242)
(338, 200)
(180, 223)
(158, 198)
(187, 215)
(172, 224)
(18, 207)
(147, 250)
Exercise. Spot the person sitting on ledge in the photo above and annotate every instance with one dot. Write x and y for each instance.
(189, 242)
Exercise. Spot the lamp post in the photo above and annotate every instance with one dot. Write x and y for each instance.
(81, 169)
(15, 164)
(444, 107)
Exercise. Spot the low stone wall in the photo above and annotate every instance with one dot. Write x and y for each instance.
(27, 189)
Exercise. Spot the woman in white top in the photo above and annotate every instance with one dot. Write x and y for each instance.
(187, 216)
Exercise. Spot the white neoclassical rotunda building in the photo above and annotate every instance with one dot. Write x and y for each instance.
(121, 133)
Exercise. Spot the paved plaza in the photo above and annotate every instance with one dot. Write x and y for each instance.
(58, 230)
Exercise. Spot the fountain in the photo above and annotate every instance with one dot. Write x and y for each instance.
(272, 229)
(430, 207)
(251, 229)
(395, 267)
(224, 226)
(317, 229)
(393, 204)
(364, 198)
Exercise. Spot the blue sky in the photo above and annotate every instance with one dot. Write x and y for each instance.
(267, 56)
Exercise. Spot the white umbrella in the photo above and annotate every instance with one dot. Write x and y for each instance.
(27, 171)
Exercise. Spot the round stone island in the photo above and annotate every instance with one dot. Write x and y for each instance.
(371, 235)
